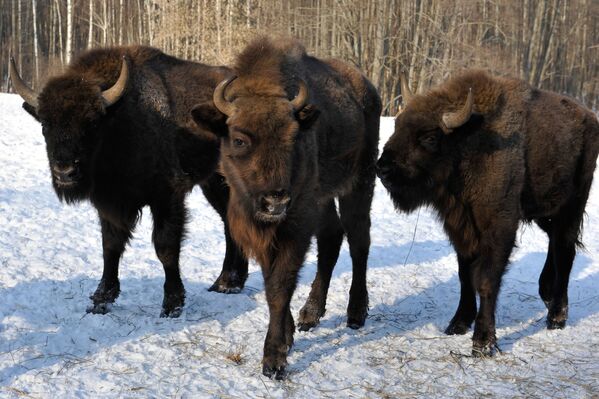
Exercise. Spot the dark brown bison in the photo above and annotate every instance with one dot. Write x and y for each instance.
(486, 153)
(301, 132)
(118, 133)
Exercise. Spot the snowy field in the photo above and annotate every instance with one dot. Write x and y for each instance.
(51, 261)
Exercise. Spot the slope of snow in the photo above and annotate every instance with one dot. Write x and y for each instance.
(51, 261)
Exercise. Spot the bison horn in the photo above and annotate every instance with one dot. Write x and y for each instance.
(451, 120)
(113, 94)
(302, 96)
(405, 88)
(21, 88)
(224, 106)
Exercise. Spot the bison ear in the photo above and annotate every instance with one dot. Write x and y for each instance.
(207, 117)
(307, 116)
(31, 110)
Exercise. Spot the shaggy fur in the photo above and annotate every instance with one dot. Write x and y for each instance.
(524, 154)
(308, 156)
(139, 151)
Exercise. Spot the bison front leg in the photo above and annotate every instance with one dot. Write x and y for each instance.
(329, 239)
(114, 240)
(235, 266)
(487, 272)
(355, 217)
(280, 279)
(466, 312)
(169, 222)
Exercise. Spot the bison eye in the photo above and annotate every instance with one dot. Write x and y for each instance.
(239, 143)
(429, 142)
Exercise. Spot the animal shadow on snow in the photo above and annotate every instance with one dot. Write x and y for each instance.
(519, 307)
(55, 328)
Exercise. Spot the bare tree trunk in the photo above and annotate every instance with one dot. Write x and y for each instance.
(90, 35)
(69, 43)
(35, 45)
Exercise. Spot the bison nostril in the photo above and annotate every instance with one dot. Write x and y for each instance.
(275, 202)
(66, 173)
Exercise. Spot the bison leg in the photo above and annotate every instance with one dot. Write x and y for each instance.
(563, 240)
(354, 209)
(547, 277)
(280, 279)
(488, 270)
(235, 265)
(169, 222)
(329, 239)
(114, 240)
(466, 312)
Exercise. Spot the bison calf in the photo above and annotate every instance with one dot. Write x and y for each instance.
(486, 153)
(118, 133)
(286, 157)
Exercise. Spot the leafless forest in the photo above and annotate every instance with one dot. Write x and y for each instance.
(553, 44)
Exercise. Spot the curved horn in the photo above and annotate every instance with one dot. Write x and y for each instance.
(406, 93)
(113, 94)
(458, 118)
(302, 96)
(28, 95)
(218, 97)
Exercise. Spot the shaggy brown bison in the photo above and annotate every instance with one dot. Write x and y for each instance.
(487, 152)
(301, 132)
(118, 133)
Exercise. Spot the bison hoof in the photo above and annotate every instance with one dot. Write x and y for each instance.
(356, 319)
(488, 349)
(99, 308)
(355, 324)
(279, 373)
(457, 327)
(555, 325)
(106, 292)
(172, 306)
(309, 315)
(228, 283)
(556, 317)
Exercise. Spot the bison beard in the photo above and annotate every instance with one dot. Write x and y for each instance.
(118, 133)
(286, 157)
(485, 160)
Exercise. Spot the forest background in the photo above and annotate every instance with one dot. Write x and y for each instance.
(552, 44)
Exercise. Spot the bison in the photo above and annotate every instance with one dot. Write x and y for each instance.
(486, 153)
(301, 132)
(118, 133)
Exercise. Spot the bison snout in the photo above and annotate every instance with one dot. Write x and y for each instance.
(66, 174)
(273, 204)
(384, 165)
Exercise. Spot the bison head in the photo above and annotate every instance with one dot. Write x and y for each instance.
(261, 146)
(70, 109)
(419, 154)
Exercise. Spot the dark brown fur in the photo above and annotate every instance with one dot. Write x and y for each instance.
(309, 156)
(524, 154)
(139, 151)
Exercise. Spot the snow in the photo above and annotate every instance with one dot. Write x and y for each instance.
(51, 261)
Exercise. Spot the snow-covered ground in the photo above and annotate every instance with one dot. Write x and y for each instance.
(51, 261)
